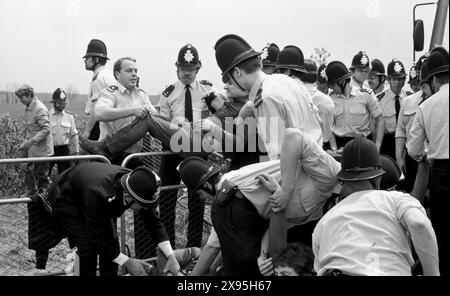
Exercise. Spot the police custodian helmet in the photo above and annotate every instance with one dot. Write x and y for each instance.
(291, 57)
(194, 172)
(377, 68)
(360, 61)
(188, 58)
(396, 69)
(58, 95)
(336, 71)
(270, 54)
(231, 50)
(96, 48)
(143, 185)
(438, 61)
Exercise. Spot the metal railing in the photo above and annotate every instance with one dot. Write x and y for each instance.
(13, 254)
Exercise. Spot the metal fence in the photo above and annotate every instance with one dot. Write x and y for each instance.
(17, 259)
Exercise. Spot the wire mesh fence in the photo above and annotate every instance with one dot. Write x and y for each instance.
(16, 258)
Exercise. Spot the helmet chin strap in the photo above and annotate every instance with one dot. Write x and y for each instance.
(232, 77)
(342, 85)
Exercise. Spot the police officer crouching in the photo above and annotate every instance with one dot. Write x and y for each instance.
(64, 130)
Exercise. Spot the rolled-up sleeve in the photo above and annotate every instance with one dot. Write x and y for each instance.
(416, 144)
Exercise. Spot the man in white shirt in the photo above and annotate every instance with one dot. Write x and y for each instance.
(369, 231)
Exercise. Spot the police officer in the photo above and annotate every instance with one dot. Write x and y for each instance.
(269, 57)
(376, 78)
(407, 113)
(95, 60)
(353, 107)
(64, 130)
(391, 103)
(182, 103)
(322, 82)
(271, 96)
(360, 69)
(431, 124)
(322, 101)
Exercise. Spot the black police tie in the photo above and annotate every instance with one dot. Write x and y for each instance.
(397, 106)
(188, 104)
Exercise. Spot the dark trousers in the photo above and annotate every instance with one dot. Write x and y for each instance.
(302, 233)
(239, 228)
(407, 184)
(62, 150)
(439, 206)
(388, 145)
(341, 141)
(88, 265)
(95, 132)
(170, 176)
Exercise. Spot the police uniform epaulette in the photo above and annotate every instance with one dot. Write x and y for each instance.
(168, 90)
(112, 88)
(68, 112)
(206, 82)
(408, 93)
(258, 98)
(140, 89)
(95, 76)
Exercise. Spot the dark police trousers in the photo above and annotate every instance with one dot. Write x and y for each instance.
(439, 206)
(62, 150)
(240, 229)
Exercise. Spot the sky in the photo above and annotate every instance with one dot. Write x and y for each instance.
(42, 42)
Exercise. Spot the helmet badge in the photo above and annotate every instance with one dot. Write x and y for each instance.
(188, 56)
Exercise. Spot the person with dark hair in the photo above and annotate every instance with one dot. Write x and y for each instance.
(38, 143)
(431, 124)
(277, 101)
(86, 201)
(95, 60)
(370, 231)
(296, 259)
(64, 130)
(353, 108)
(269, 56)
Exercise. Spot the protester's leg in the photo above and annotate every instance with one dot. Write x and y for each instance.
(240, 229)
(439, 205)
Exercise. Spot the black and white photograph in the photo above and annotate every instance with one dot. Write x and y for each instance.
(224, 143)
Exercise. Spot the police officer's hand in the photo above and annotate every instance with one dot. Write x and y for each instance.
(172, 267)
(269, 182)
(280, 199)
(265, 264)
(402, 165)
(140, 112)
(136, 267)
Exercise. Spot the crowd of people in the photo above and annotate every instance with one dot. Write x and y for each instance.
(333, 170)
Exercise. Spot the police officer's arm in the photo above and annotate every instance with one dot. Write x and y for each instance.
(376, 113)
(423, 239)
(158, 234)
(400, 139)
(74, 135)
(104, 109)
(416, 144)
(163, 107)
